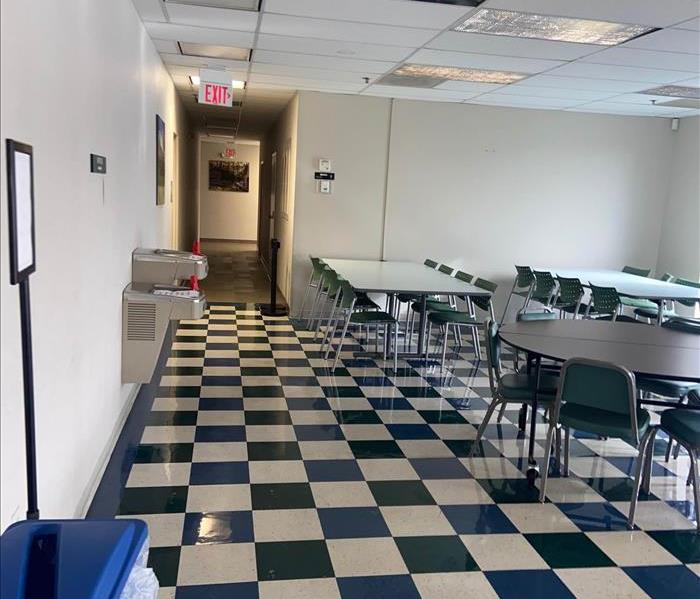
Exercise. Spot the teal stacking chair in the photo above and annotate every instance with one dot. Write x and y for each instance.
(432, 304)
(314, 278)
(682, 426)
(598, 398)
(409, 298)
(633, 270)
(457, 318)
(569, 299)
(522, 285)
(605, 305)
(512, 387)
(543, 291)
(652, 312)
(347, 314)
(645, 308)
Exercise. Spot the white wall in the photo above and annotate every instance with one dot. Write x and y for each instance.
(77, 77)
(224, 214)
(679, 250)
(479, 187)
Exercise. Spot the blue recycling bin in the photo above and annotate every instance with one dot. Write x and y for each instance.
(69, 559)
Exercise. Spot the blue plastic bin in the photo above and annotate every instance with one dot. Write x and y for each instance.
(69, 559)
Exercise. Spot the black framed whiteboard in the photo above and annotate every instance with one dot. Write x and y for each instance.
(20, 202)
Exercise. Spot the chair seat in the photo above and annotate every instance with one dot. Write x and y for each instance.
(638, 302)
(666, 387)
(520, 386)
(407, 297)
(377, 317)
(653, 312)
(365, 303)
(620, 318)
(686, 325)
(432, 306)
(534, 316)
(452, 317)
(601, 422)
(570, 309)
(682, 424)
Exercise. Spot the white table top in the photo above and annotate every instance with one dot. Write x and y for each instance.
(628, 284)
(400, 277)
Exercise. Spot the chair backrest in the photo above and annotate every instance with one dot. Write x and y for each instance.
(493, 353)
(603, 386)
(430, 263)
(545, 285)
(605, 299)
(447, 270)
(464, 276)
(484, 302)
(525, 278)
(640, 272)
(317, 265)
(687, 283)
(347, 295)
(667, 277)
(332, 281)
(570, 291)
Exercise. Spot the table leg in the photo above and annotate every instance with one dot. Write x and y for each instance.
(532, 467)
(660, 316)
(421, 325)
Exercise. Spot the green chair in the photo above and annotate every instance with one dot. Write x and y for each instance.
(349, 315)
(321, 290)
(316, 270)
(445, 318)
(510, 387)
(598, 398)
(692, 398)
(646, 308)
(605, 305)
(633, 270)
(543, 291)
(522, 285)
(408, 298)
(569, 299)
(683, 426)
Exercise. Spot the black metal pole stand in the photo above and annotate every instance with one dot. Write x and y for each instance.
(28, 370)
(272, 309)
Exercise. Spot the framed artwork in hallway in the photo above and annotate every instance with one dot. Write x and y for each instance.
(160, 161)
(227, 175)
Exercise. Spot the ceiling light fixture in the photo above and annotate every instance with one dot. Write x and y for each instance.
(442, 74)
(675, 91)
(194, 80)
(209, 51)
(251, 5)
(546, 27)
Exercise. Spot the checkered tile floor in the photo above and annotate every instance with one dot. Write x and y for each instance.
(262, 474)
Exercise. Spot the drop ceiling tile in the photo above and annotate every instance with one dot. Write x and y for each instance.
(322, 62)
(468, 86)
(309, 73)
(642, 12)
(166, 46)
(690, 24)
(533, 101)
(234, 66)
(636, 57)
(201, 35)
(607, 85)
(483, 61)
(510, 46)
(150, 10)
(345, 31)
(668, 40)
(418, 93)
(220, 18)
(582, 95)
(642, 99)
(692, 82)
(356, 50)
(604, 71)
(387, 12)
(305, 83)
(658, 111)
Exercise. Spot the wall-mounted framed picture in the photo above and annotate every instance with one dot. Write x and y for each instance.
(160, 161)
(20, 202)
(229, 175)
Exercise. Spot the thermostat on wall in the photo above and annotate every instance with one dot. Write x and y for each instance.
(324, 165)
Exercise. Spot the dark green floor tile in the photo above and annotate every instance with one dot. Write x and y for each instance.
(172, 418)
(153, 500)
(510, 490)
(254, 354)
(343, 392)
(617, 489)
(462, 449)
(273, 450)
(435, 554)
(400, 492)
(417, 392)
(158, 453)
(293, 559)
(258, 371)
(281, 496)
(183, 370)
(364, 450)
(165, 562)
(272, 417)
(684, 544)
(326, 371)
(568, 550)
(442, 416)
(357, 417)
(263, 391)
(177, 392)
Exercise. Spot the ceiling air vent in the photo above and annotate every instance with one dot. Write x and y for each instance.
(140, 322)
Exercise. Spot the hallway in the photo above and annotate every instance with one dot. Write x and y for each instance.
(235, 274)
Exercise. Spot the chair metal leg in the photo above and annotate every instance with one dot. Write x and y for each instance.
(340, 344)
(638, 471)
(510, 295)
(329, 347)
(567, 446)
(669, 448)
(444, 345)
(545, 461)
(695, 469)
(396, 346)
(557, 448)
(311, 319)
(427, 339)
(385, 341)
(484, 423)
(676, 450)
(501, 412)
(306, 294)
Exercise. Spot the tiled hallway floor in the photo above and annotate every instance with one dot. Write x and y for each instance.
(262, 474)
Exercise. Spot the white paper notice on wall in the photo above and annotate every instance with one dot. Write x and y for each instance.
(24, 216)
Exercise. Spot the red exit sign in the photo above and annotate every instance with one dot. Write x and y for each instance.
(216, 94)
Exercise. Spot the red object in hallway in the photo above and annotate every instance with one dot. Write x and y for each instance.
(194, 283)
(196, 247)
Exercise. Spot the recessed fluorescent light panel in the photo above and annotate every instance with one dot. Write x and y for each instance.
(194, 80)
(207, 51)
(546, 27)
(675, 91)
(453, 2)
(253, 5)
(420, 75)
